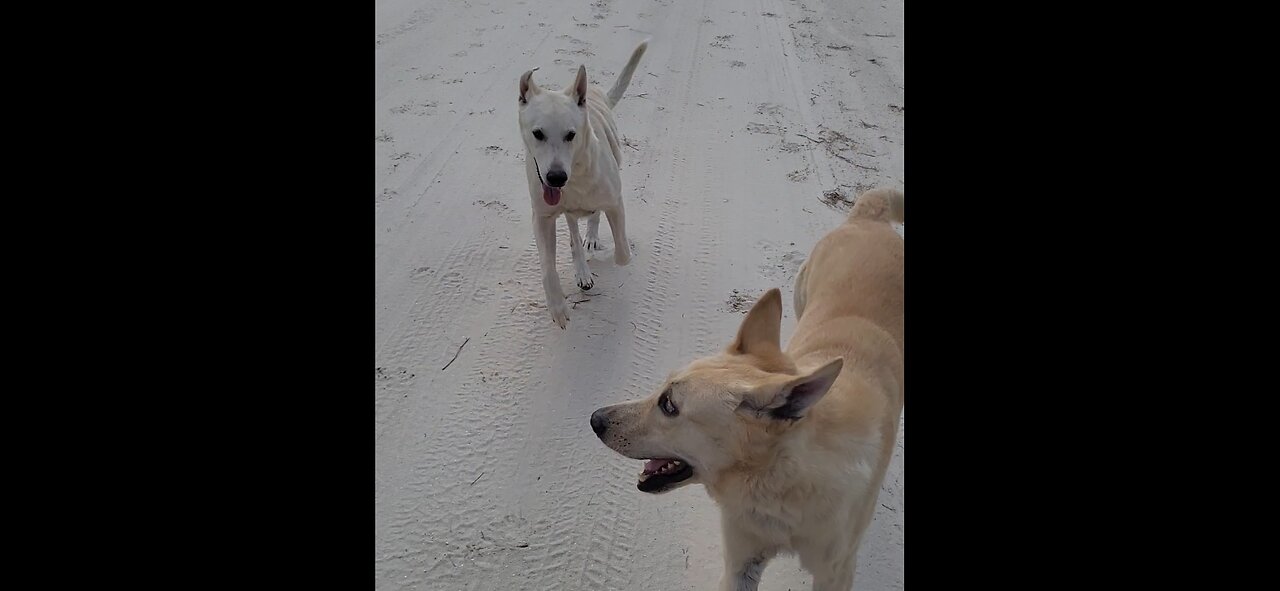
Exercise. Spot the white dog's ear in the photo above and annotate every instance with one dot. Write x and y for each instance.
(759, 333)
(527, 86)
(800, 394)
(578, 91)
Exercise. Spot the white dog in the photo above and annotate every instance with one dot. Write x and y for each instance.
(572, 158)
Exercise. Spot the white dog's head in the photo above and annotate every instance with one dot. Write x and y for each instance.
(720, 414)
(549, 123)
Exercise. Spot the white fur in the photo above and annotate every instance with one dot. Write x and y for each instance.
(591, 159)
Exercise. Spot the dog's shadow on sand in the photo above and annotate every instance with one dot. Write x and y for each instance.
(602, 330)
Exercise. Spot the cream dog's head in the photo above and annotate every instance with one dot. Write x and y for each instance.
(549, 123)
(720, 413)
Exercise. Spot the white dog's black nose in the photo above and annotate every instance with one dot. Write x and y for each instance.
(557, 178)
(598, 423)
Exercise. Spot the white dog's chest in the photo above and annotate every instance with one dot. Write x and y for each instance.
(585, 200)
(580, 201)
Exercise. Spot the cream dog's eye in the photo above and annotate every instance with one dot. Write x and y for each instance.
(568, 137)
(668, 408)
(537, 134)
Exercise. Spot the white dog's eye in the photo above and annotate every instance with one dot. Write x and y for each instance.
(568, 137)
(537, 133)
(668, 408)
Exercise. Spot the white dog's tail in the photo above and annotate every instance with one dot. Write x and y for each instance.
(880, 204)
(624, 79)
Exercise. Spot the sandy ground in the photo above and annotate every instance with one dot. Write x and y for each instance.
(740, 117)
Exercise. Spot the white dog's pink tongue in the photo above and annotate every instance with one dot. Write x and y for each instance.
(551, 195)
(653, 465)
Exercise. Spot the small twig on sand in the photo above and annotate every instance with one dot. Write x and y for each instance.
(811, 139)
(477, 479)
(875, 35)
(652, 74)
(455, 355)
(575, 304)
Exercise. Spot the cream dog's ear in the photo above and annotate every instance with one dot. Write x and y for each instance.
(760, 330)
(795, 397)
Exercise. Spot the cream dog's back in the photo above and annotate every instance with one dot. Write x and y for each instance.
(849, 299)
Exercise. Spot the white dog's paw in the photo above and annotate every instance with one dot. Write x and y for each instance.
(559, 313)
(585, 282)
(592, 244)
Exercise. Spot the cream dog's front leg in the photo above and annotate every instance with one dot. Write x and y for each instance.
(831, 570)
(744, 558)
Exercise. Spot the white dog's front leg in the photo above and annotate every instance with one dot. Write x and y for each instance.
(544, 233)
(593, 231)
(618, 225)
(581, 272)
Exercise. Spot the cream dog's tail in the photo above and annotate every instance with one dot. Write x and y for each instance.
(882, 204)
(624, 79)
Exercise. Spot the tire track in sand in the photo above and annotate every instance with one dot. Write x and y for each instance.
(587, 531)
(449, 288)
(478, 435)
(615, 515)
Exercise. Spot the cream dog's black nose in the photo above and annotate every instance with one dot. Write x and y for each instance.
(598, 423)
(557, 178)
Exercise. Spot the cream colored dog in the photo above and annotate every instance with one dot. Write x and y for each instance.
(792, 445)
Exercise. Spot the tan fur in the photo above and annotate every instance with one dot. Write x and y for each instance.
(806, 485)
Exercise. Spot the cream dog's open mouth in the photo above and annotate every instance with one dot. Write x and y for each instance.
(659, 474)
